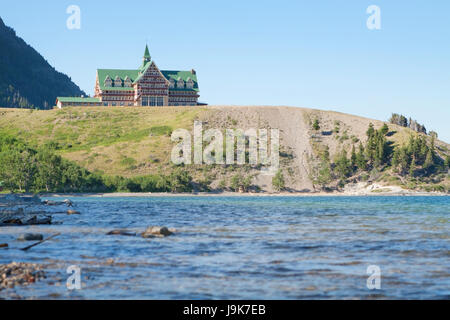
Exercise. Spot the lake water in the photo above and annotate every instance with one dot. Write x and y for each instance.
(243, 248)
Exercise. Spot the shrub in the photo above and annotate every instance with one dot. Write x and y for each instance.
(278, 182)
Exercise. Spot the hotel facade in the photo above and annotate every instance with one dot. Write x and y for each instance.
(147, 86)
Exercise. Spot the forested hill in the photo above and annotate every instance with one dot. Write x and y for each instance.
(27, 80)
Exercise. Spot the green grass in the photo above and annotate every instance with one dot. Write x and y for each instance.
(118, 141)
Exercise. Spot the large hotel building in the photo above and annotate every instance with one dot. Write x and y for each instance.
(146, 86)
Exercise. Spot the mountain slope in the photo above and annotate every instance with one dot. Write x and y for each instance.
(26, 79)
(135, 141)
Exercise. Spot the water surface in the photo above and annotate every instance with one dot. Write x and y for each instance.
(244, 248)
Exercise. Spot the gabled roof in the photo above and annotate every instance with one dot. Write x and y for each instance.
(113, 73)
(137, 74)
(143, 70)
(181, 75)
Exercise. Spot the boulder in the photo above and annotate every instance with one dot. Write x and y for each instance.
(35, 221)
(31, 237)
(68, 202)
(155, 231)
(70, 212)
(50, 203)
(121, 232)
(3, 245)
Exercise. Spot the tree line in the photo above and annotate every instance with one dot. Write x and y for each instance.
(27, 169)
(417, 157)
(402, 121)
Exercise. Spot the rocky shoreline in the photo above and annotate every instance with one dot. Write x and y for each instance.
(25, 210)
(19, 273)
(382, 191)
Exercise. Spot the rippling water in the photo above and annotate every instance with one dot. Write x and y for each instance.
(244, 248)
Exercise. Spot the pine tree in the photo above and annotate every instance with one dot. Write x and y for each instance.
(384, 129)
(371, 131)
(353, 157)
(412, 167)
(316, 125)
(447, 162)
(361, 161)
(342, 165)
(429, 161)
(278, 182)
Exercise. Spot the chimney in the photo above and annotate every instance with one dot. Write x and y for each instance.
(193, 71)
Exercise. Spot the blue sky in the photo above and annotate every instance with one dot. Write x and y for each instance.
(317, 54)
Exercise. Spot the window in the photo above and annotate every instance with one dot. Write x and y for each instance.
(108, 81)
(127, 82)
(160, 101)
(190, 84)
(180, 83)
(172, 83)
(117, 82)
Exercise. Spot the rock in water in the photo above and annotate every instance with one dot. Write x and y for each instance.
(31, 237)
(35, 221)
(50, 203)
(70, 212)
(121, 233)
(3, 245)
(14, 274)
(68, 202)
(152, 232)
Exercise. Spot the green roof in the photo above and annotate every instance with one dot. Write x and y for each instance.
(142, 71)
(184, 75)
(135, 75)
(113, 73)
(77, 99)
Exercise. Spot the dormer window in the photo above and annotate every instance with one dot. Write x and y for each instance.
(108, 82)
(117, 82)
(127, 82)
(172, 83)
(190, 84)
(180, 83)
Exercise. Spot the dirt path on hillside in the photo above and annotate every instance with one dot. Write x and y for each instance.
(294, 136)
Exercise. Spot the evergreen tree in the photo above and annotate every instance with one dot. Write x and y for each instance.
(447, 162)
(371, 131)
(429, 161)
(316, 125)
(278, 182)
(353, 157)
(361, 161)
(342, 165)
(384, 129)
(412, 167)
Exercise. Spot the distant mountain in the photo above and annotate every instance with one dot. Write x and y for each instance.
(27, 80)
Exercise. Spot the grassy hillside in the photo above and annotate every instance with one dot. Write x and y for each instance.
(117, 141)
(134, 141)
